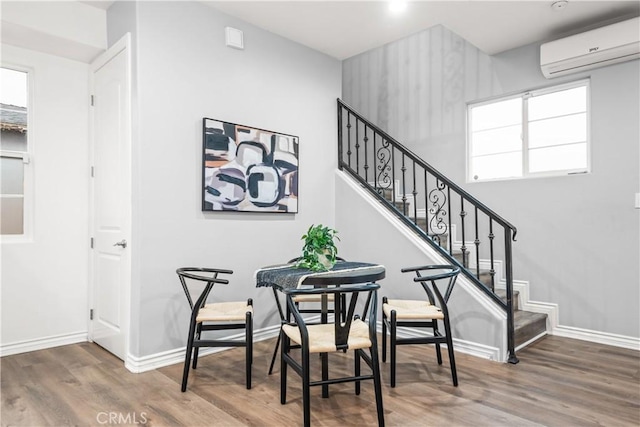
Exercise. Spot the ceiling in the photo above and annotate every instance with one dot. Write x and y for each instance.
(345, 28)
(342, 29)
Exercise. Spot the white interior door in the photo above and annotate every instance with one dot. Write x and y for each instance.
(111, 198)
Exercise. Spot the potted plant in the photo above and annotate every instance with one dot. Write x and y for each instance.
(319, 250)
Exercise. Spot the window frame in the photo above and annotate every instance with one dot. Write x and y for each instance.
(27, 161)
(525, 96)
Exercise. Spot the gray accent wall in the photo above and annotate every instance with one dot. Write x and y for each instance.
(184, 73)
(578, 236)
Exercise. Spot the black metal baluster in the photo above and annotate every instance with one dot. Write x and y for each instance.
(366, 154)
(426, 202)
(357, 146)
(340, 160)
(492, 271)
(476, 242)
(375, 175)
(349, 140)
(463, 248)
(404, 187)
(510, 317)
(393, 175)
(415, 194)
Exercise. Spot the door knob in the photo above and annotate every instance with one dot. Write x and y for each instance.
(122, 243)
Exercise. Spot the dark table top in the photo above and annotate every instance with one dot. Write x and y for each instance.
(287, 276)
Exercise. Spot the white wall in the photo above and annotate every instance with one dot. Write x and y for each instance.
(44, 279)
(69, 29)
(185, 73)
(578, 236)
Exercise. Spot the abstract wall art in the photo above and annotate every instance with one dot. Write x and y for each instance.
(246, 169)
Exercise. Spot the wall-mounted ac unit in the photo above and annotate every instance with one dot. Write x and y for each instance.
(595, 48)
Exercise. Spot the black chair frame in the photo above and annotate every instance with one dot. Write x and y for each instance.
(429, 284)
(194, 341)
(284, 317)
(342, 329)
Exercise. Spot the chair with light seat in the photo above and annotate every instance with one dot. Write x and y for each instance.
(419, 314)
(354, 332)
(215, 316)
(306, 300)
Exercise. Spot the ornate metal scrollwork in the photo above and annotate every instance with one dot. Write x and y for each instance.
(383, 177)
(437, 224)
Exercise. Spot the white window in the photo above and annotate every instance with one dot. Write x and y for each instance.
(14, 151)
(537, 133)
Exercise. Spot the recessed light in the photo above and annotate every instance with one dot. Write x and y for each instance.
(397, 6)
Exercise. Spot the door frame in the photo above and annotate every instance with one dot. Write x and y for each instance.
(124, 44)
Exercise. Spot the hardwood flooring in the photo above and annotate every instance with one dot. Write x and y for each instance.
(558, 382)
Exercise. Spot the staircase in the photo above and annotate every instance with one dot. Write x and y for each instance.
(459, 227)
(527, 324)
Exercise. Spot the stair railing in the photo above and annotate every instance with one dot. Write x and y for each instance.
(431, 205)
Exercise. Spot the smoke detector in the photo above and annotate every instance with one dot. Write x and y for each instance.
(559, 5)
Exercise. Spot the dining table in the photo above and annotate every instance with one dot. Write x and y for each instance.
(284, 277)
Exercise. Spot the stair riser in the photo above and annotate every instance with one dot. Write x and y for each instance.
(528, 326)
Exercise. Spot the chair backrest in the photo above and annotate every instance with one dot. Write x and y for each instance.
(352, 294)
(430, 275)
(206, 276)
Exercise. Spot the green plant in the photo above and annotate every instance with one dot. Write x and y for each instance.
(319, 250)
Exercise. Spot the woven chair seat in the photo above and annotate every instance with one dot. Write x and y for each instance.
(412, 309)
(224, 311)
(311, 298)
(220, 316)
(322, 336)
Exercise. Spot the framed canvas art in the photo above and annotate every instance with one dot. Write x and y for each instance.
(246, 169)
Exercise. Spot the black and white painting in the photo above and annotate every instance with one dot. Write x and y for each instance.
(246, 169)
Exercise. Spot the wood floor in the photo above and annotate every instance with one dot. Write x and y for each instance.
(558, 382)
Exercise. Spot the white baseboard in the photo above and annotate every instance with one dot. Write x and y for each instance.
(42, 343)
(171, 357)
(614, 340)
(471, 348)
(554, 328)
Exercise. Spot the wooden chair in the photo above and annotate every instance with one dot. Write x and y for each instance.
(214, 317)
(353, 333)
(421, 314)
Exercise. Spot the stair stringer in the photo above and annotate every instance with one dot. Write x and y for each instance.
(479, 325)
